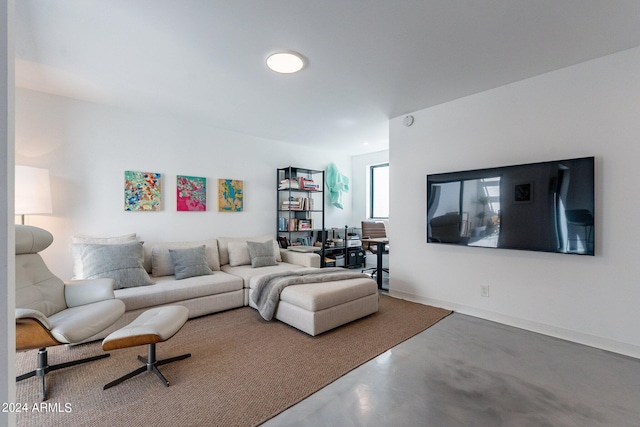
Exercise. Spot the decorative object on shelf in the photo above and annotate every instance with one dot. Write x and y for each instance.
(142, 191)
(230, 195)
(337, 184)
(191, 193)
(33, 191)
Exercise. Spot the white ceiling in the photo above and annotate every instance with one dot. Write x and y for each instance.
(368, 60)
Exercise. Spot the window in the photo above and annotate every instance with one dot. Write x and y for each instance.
(379, 182)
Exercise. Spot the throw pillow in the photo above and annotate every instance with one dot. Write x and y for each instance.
(223, 246)
(190, 262)
(121, 262)
(238, 253)
(261, 254)
(162, 264)
(83, 238)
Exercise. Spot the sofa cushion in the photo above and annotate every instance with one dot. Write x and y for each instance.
(315, 297)
(262, 254)
(238, 253)
(158, 260)
(189, 262)
(120, 262)
(83, 238)
(247, 272)
(166, 290)
(304, 259)
(223, 243)
(115, 240)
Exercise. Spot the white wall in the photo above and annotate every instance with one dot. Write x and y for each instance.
(588, 109)
(87, 148)
(360, 183)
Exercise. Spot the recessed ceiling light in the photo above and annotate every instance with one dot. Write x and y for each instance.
(285, 62)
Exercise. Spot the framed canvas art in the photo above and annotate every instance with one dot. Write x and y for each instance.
(142, 191)
(230, 195)
(191, 193)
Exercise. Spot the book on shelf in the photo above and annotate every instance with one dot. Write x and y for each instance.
(294, 203)
(297, 204)
(298, 184)
(307, 204)
(295, 224)
(299, 241)
(286, 184)
(304, 241)
(308, 184)
(305, 224)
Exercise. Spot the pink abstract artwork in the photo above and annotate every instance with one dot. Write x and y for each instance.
(191, 193)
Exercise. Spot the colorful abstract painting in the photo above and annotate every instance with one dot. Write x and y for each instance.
(141, 191)
(191, 193)
(230, 195)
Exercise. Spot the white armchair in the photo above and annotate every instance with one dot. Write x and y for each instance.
(50, 312)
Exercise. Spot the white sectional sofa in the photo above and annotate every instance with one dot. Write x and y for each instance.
(221, 290)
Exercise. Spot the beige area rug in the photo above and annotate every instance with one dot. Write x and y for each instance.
(243, 370)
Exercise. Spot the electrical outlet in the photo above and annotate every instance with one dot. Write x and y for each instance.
(484, 291)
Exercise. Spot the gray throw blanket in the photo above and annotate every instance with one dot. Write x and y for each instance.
(266, 293)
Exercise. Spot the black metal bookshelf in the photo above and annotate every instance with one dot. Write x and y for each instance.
(300, 207)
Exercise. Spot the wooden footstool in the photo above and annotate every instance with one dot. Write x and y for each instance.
(153, 326)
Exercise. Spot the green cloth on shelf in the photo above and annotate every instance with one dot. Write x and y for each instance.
(337, 184)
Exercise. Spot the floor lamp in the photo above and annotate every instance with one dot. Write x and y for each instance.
(33, 191)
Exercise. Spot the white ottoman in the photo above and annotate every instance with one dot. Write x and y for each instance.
(315, 308)
(153, 326)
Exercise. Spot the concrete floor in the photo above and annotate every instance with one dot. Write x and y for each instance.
(465, 371)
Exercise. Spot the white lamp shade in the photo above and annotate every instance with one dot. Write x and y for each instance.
(33, 191)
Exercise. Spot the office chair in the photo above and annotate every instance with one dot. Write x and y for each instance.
(373, 230)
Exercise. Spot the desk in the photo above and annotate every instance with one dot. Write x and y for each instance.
(380, 243)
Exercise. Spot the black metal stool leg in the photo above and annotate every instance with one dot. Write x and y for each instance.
(172, 359)
(125, 377)
(159, 374)
(43, 368)
(150, 365)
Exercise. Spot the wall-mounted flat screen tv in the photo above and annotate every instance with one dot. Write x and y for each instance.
(547, 206)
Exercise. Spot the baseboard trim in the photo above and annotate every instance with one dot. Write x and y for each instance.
(541, 328)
